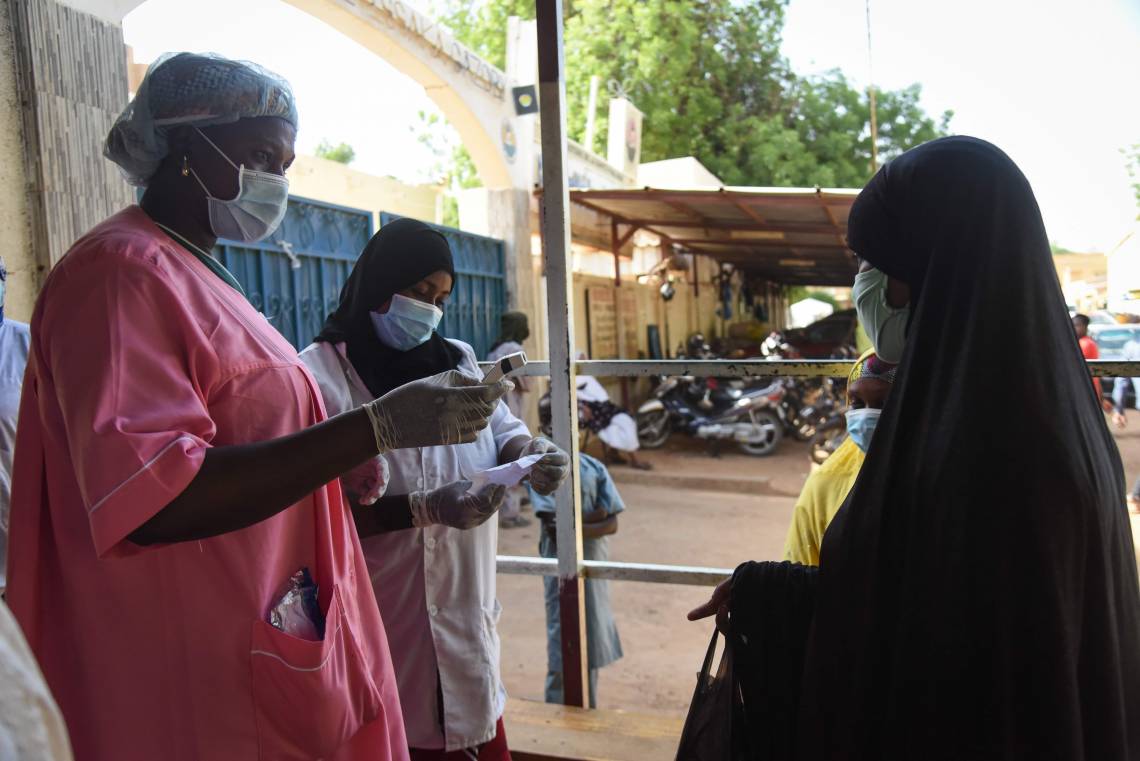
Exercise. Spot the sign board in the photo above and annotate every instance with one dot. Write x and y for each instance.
(601, 319)
(628, 321)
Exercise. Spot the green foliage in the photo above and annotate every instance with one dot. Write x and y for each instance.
(1057, 248)
(712, 83)
(453, 166)
(342, 153)
(1132, 164)
(482, 25)
(797, 293)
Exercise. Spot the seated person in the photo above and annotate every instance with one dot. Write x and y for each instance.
(827, 486)
(614, 426)
(601, 504)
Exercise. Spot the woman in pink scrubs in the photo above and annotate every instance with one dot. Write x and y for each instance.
(174, 466)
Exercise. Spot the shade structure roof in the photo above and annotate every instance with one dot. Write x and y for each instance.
(792, 236)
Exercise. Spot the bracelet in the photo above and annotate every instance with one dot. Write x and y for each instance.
(378, 425)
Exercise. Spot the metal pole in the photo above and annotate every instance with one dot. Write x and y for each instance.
(555, 211)
(871, 90)
(592, 112)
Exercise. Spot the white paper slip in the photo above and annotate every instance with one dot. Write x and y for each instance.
(505, 475)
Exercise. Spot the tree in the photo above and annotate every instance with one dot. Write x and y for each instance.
(712, 83)
(342, 153)
(1132, 164)
(453, 167)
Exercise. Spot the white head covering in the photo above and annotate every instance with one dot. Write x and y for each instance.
(191, 89)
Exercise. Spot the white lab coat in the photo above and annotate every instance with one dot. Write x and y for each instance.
(15, 338)
(31, 727)
(436, 585)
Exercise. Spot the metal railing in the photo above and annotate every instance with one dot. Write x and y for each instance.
(722, 368)
(751, 368)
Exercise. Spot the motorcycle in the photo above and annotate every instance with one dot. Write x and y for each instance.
(805, 418)
(829, 437)
(713, 410)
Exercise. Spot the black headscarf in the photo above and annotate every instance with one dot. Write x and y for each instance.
(513, 326)
(977, 596)
(403, 253)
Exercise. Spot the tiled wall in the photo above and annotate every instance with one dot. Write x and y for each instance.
(72, 80)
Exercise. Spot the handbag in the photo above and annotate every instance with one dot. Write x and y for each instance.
(707, 734)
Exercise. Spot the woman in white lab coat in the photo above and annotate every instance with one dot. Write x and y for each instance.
(429, 543)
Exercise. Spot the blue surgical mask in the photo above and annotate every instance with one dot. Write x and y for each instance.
(885, 324)
(407, 323)
(257, 209)
(861, 426)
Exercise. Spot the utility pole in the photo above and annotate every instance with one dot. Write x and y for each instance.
(871, 91)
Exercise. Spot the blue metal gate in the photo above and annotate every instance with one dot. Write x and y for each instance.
(295, 275)
(479, 295)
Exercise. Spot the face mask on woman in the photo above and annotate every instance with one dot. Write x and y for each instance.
(257, 209)
(861, 424)
(407, 323)
(885, 324)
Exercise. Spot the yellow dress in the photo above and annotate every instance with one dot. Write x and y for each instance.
(822, 495)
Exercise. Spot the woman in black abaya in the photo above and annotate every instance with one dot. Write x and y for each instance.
(977, 594)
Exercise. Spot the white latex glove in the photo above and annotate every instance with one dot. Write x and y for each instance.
(448, 408)
(549, 472)
(367, 481)
(452, 505)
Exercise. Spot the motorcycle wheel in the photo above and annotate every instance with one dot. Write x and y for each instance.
(774, 433)
(653, 428)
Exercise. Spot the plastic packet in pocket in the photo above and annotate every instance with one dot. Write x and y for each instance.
(297, 611)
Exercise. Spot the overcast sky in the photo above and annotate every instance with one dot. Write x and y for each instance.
(1055, 83)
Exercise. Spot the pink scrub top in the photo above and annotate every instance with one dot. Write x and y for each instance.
(142, 359)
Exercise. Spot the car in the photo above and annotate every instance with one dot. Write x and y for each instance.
(1102, 317)
(1110, 340)
(830, 338)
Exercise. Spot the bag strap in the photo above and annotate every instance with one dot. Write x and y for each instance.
(706, 668)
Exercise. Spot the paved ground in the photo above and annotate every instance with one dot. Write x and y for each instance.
(671, 525)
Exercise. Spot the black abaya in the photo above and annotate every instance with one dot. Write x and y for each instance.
(977, 595)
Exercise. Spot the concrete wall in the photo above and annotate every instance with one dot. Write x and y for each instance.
(333, 182)
(70, 78)
(15, 201)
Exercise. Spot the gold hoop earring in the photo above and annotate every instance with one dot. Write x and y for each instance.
(185, 166)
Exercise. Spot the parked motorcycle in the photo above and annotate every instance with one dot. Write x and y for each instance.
(713, 410)
(829, 437)
(807, 404)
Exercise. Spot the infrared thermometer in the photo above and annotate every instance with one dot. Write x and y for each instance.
(507, 366)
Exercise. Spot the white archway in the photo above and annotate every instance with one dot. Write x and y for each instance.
(471, 93)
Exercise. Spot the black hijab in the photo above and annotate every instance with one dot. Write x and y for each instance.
(403, 253)
(977, 594)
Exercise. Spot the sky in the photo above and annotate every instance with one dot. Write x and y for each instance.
(1054, 83)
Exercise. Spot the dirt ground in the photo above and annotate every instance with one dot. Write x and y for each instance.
(669, 525)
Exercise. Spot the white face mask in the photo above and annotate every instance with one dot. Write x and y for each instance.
(407, 323)
(885, 324)
(256, 210)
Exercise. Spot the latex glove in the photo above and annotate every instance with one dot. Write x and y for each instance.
(549, 472)
(452, 505)
(448, 408)
(367, 481)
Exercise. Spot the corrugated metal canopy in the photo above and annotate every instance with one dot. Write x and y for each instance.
(795, 236)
